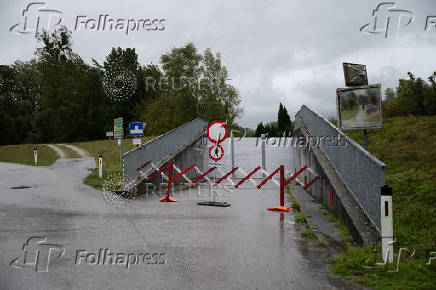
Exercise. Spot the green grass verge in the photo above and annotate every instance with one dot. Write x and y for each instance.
(23, 154)
(412, 274)
(310, 234)
(111, 164)
(301, 218)
(408, 147)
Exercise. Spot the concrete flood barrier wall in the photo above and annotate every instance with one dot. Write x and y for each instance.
(350, 177)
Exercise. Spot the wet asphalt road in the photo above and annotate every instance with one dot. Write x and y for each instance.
(186, 246)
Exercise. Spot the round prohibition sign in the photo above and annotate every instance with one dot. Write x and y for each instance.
(214, 125)
(216, 152)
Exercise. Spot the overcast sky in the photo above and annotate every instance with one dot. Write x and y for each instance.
(275, 51)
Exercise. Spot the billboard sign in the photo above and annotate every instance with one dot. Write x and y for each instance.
(359, 107)
(118, 128)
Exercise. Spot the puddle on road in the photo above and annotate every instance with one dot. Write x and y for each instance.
(20, 187)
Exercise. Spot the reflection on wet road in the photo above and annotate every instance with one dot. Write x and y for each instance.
(238, 247)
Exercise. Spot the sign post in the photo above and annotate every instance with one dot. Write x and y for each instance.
(359, 105)
(119, 134)
(136, 130)
(110, 134)
(215, 130)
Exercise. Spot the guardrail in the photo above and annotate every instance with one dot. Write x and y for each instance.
(157, 149)
(361, 172)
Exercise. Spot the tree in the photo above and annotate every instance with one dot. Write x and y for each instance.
(284, 123)
(194, 86)
(260, 129)
(71, 106)
(218, 100)
(414, 96)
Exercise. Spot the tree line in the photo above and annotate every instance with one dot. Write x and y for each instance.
(283, 125)
(413, 96)
(58, 97)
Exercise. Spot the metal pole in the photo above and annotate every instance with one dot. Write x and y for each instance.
(110, 146)
(263, 153)
(282, 186)
(121, 154)
(232, 152)
(365, 139)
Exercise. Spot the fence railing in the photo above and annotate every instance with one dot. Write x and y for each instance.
(157, 149)
(362, 173)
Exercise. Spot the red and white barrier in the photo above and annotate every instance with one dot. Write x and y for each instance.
(227, 176)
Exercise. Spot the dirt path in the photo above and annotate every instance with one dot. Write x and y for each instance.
(79, 151)
(58, 151)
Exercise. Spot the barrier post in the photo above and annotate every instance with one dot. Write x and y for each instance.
(232, 152)
(387, 231)
(282, 185)
(263, 141)
(35, 155)
(100, 166)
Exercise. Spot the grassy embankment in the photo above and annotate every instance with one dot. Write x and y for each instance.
(408, 147)
(23, 154)
(111, 164)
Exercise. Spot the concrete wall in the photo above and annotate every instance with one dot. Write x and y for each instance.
(343, 204)
(192, 153)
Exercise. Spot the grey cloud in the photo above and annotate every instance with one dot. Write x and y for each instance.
(275, 51)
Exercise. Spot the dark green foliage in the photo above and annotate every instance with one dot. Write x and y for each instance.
(413, 97)
(283, 126)
(284, 122)
(57, 97)
(190, 85)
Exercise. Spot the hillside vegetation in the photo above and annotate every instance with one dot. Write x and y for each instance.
(408, 147)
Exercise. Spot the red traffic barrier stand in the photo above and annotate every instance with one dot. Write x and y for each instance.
(226, 175)
(247, 177)
(296, 174)
(204, 174)
(281, 207)
(167, 197)
(311, 182)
